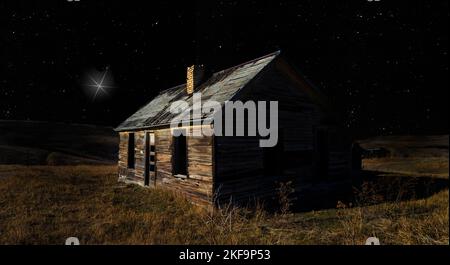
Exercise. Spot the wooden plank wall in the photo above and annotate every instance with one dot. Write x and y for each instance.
(299, 116)
(239, 164)
(139, 152)
(199, 182)
(129, 174)
(240, 172)
(124, 172)
(239, 160)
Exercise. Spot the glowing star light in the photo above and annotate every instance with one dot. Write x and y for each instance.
(99, 83)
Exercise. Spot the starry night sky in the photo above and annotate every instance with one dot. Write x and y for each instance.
(383, 64)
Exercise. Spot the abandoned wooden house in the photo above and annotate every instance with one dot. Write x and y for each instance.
(214, 169)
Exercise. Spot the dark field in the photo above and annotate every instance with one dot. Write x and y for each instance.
(44, 143)
(410, 155)
(401, 198)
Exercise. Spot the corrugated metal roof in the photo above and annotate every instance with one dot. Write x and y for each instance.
(220, 87)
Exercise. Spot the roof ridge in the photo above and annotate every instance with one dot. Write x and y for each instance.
(277, 52)
(249, 61)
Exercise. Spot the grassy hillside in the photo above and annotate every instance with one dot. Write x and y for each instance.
(45, 205)
(410, 155)
(41, 143)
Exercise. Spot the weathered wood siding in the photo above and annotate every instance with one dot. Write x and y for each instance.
(135, 174)
(240, 172)
(124, 172)
(199, 181)
(139, 156)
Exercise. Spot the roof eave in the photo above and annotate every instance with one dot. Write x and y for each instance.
(158, 126)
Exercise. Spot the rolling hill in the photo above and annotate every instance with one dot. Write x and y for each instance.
(47, 143)
(425, 155)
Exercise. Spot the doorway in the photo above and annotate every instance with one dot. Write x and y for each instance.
(150, 160)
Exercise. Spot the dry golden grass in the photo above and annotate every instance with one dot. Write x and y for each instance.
(45, 205)
(402, 223)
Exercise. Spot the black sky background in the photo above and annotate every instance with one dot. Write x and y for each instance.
(383, 64)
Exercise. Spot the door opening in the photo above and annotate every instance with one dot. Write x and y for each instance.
(150, 160)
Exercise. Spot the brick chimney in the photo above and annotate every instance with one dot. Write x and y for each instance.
(194, 77)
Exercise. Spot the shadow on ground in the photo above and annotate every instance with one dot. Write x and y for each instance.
(391, 187)
(366, 188)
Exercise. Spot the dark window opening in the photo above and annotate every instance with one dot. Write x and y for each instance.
(179, 156)
(131, 150)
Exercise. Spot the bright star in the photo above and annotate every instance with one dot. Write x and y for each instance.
(99, 83)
